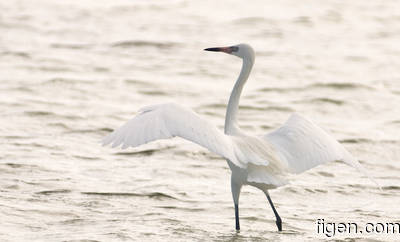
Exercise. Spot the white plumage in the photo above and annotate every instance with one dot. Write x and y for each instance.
(304, 145)
(260, 161)
(165, 121)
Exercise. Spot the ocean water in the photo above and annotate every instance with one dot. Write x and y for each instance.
(72, 71)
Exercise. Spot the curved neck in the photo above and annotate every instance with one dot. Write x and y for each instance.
(231, 126)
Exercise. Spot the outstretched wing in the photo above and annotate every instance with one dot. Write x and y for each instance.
(304, 145)
(169, 120)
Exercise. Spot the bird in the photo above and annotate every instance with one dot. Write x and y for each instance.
(262, 161)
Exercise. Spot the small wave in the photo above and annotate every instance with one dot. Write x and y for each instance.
(14, 165)
(250, 108)
(214, 106)
(237, 237)
(267, 127)
(48, 212)
(11, 187)
(182, 208)
(254, 218)
(214, 114)
(325, 174)
(86, 157)
(279, 108)
(41, 113)
(267, 53)
(290, 189)
(139, 82)
(271, 33)
(303, 20)
(356, 141)
(342, 191)
(251, 20)
(96, 131)
(333, 16)
(159, 195)
(281, 89)
(143, 43)
(357, 186)
(153, 93)
(75, 221)
(52, 68)
(246, 107)
(368, 141)
(309, 190)
(156, 195)
(105, 130)
(16, 137)
(61, 80)
(38, 113)
(329, 85)
(391, 187)
(148, 152)
(23, 89)
(341, 85)
(356, 58)
(100, 69)
(15, 53)
(326, 100)
(320, 190)
(19, 165)
(395, 122)
(266, 108)
(49, 192)
(59, 125)
(70, 46)
(171, 221)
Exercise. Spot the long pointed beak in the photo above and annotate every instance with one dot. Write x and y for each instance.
(221, 49)
(213, 49)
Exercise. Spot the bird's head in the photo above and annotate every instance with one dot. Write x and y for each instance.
(243, 51)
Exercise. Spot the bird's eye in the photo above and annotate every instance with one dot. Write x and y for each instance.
(234, 48)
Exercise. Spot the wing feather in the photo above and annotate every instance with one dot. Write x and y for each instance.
(169, 120)
(304, 145)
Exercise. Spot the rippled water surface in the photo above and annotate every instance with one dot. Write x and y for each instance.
(71, 71)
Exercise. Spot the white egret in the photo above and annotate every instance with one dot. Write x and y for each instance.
(259, 161)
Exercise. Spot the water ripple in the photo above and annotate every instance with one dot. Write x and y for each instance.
(57, 191)
(154, 195)
(143, 43)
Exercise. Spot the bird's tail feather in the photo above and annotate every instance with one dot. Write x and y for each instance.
(350, 160)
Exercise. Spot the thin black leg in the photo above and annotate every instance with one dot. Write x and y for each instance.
(237, 216)
(278, 218)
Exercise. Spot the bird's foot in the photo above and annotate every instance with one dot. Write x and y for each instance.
(279, 224)
(237, 228)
